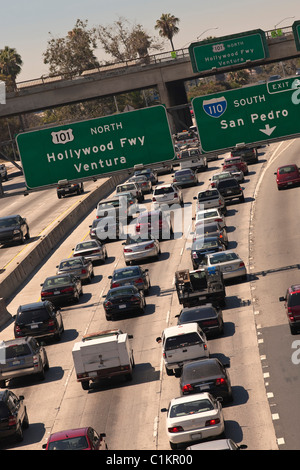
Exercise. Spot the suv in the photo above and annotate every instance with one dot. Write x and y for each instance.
(167, 194)
(13, 228)
(248, 154)
(39, 319)
(292, 307)
(3, 172)
(229, 188)
(65, 188)
(20, 357)
(13, 415)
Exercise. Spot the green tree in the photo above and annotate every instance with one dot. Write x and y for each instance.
(74, 53)
(166, 26)
(10, 65)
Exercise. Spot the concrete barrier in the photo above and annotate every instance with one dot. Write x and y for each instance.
(5, 316)
(21, 268)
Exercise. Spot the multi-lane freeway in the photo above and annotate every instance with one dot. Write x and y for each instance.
(257, 341)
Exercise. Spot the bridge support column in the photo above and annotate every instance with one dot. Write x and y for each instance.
(173, 94)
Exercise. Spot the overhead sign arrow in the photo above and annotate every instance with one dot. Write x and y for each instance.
(268, 130)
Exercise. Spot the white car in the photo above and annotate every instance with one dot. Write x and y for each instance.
(167, 194)
(210, 215)
(194, 417)
(230, 263)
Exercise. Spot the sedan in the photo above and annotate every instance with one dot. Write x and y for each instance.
(143, 182)
(131, 276)
(209, 318)
(211, 229)
(185, 178)
(203, 246)
(210, 215)
(193, 418)
(13, 228)
(206, 375)
(61, 288)
(139, 248)
(126, 299)
(287, 175)
(231, 265)
(107, 228)
(76, 439)
(93, 250)
(79, 266)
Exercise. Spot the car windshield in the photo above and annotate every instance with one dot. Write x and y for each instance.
(15, 350)
(70, 443)
(121, 292)
(294, 300)
(9, 222)
(179, 341)
(135, 271)
(86, 245)
(286, 169)
(57, 281)
(189, 408)
(209, 194)
(163, 190)
(222, 257)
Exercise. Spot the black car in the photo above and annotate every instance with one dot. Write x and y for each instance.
(13, 228)
(13, 416)
(230, 189)
(125, 299)
(212, 229)
(209, 318)
(249, 154)
(134, 275)
(65, 188)
(61, 288)
(203, 246)
(38, 319)
(206, 375)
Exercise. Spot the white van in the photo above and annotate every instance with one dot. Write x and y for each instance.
(181, 344)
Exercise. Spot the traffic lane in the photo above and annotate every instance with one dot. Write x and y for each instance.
(40, 209)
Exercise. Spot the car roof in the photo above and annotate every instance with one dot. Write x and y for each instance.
(295, 288)
(23, 339)
(216, 444)
(68, 433)
(180, 329)
(126, 268)
(33, 306)
(10, 216)
(166, 185)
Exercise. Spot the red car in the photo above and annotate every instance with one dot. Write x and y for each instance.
(292, 307)
(76, 439)
(236, 162)
(287, 175)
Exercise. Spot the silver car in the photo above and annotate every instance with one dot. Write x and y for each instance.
(131, 276)
(79, 266)
(167, 194)
(230, 263)
(92, 250)
(20, 357)
(137, 248)
(143, 182)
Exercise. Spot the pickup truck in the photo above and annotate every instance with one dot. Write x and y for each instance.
(202, 286)
(101, 355)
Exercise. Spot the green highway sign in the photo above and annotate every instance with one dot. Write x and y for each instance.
(296, 31)
(248, 115)
(228, 51)
(95, 147)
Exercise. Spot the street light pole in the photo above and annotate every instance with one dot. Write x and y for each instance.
(287, 18)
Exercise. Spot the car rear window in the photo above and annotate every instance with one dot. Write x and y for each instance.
(37, 315)
(16, 350)
(209, 194)
(178, 341)
(125, 187)
(86, 245)
(294, 299)
(127, 273)
(12, 221)
(122, 292)
(222, 257)
(164, 190)
(195, 315)
(205, 369)
(227, 183)
(74, 443)
(286, 169)
(197, 406)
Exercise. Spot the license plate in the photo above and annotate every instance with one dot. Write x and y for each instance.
(122, 306)
(228, 268)
(229, 192)
(56, 292)
(203, 387)
(290, 182)
(34, 326)
(196, 436)
(16, 363)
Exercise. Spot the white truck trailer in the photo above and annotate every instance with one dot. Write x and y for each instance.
(102, 355)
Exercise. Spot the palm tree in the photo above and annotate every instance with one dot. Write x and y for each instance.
(10, 63)
(167, 27)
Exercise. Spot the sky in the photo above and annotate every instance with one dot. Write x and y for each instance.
(26, 24)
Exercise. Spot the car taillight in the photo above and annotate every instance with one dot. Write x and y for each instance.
(45, 294)
(115, 284)
(134, 299)
(175, 195)
(139, 280)
(138, 227)
(175, 429)
(212, 422)
(175, 180)
(242, 265)
(148, 247)
(76, 254)
(12, 420)
(187, 388)
(220, 381)
(107, 303)
(83, 271)
(153, 199)
(35, 361)
(218, 220)
(67, 289)
(194, 255)
(51, 323)
(127, 250)
(205, 346)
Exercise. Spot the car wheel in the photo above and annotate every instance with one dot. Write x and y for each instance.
(85, 385)
(108, 317)
(19, 433)
(27, 236)
(46, 366)
(242, 199)
(169, 371)
(294, 329)
(173, 446)
(59, 196)
(2, 383)
(25, 421)
(42, 374)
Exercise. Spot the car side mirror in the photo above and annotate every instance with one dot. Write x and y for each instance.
(109, 277)
(158, 339)
(164, 410)
(282, 299)
(130, 336)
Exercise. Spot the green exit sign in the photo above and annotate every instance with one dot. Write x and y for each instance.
(95, 147)
(248, 115)
(228, 51)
